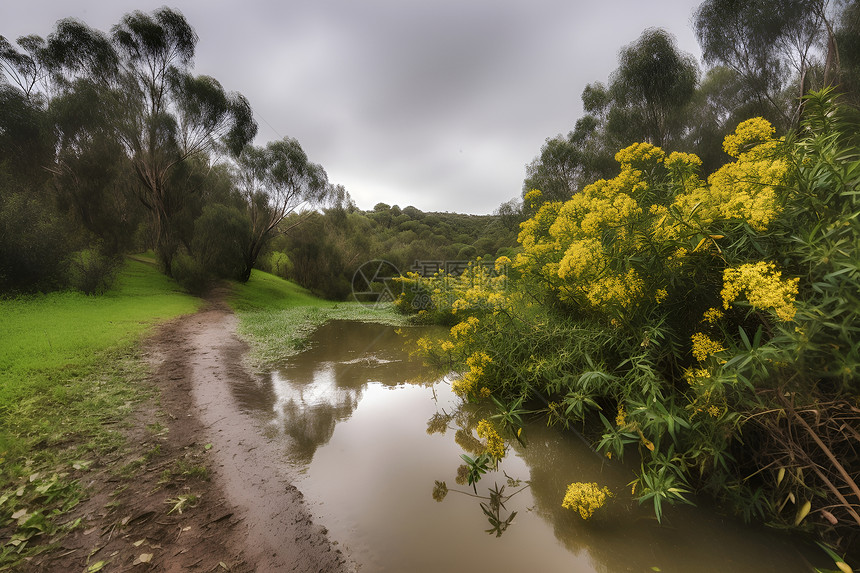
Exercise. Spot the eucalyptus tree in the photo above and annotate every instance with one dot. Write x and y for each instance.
(167, 115)
(771, 45)
(650, 89)
(847, 36)
(25, 69)
(645, 100)
(277, 180)
(567, 163)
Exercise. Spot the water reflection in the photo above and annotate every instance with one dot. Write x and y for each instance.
(624, 536)
(371, 445)
(314, 390)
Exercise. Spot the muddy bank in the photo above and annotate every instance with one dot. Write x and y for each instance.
(279, 533)
(197, 488)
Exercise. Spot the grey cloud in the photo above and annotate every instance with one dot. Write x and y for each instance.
(436, 104)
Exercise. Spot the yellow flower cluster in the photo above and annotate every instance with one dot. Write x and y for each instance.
(744, 189)
(747, 134)
(586, 498)
(532, 197)
(640, 155)
(502, 264)
(695, 375)
(712, 315)
(703, 346)
(763, 286)
(495, 444)
(463, 329)
(621, 417)
(616, 290)
(681, 161)
(468, 382)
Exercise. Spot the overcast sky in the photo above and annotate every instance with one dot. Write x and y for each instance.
(439, 104)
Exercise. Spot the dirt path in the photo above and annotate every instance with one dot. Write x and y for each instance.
(194, 450)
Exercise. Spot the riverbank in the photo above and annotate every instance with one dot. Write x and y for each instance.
(118, 453)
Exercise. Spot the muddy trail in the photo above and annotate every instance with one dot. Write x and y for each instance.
(198, 488)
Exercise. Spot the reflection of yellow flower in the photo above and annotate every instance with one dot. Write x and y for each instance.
(586, 498)
(495, 443)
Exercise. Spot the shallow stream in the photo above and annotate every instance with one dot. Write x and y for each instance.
(355, 413)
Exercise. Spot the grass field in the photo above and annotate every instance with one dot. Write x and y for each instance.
(275, 316)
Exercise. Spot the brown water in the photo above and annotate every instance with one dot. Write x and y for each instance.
(353, 412)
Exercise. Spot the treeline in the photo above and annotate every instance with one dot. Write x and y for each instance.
(762, 57)
(321, 250)
(109, 143)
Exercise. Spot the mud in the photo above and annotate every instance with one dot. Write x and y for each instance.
(245, 515)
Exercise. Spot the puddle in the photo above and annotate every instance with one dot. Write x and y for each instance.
(354, 409)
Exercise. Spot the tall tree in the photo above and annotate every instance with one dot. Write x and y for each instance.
(169, 114)
(771, 45)
(567, 163)
(649, 90)
(847, 40)
(645, 101)
(276, 180)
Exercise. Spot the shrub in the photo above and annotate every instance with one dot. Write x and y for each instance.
(92, 272)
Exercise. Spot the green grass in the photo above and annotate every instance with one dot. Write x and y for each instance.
(275, 316)
(268, 292)
(70, 374)
(63, 334)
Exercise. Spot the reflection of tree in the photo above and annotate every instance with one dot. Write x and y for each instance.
(313, 390)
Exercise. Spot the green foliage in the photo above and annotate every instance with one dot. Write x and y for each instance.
(34, 244)
(92, 272)
(221, 237)
(764, 43)
(326, 249)
(715, 318)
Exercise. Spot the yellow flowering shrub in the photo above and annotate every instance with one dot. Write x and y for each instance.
(748, 133)
(585, 498)
(462, 329)
(584, 248)
(467, 383)
(744, 189)
(712, 315)
(764, 288)
(704, 346)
